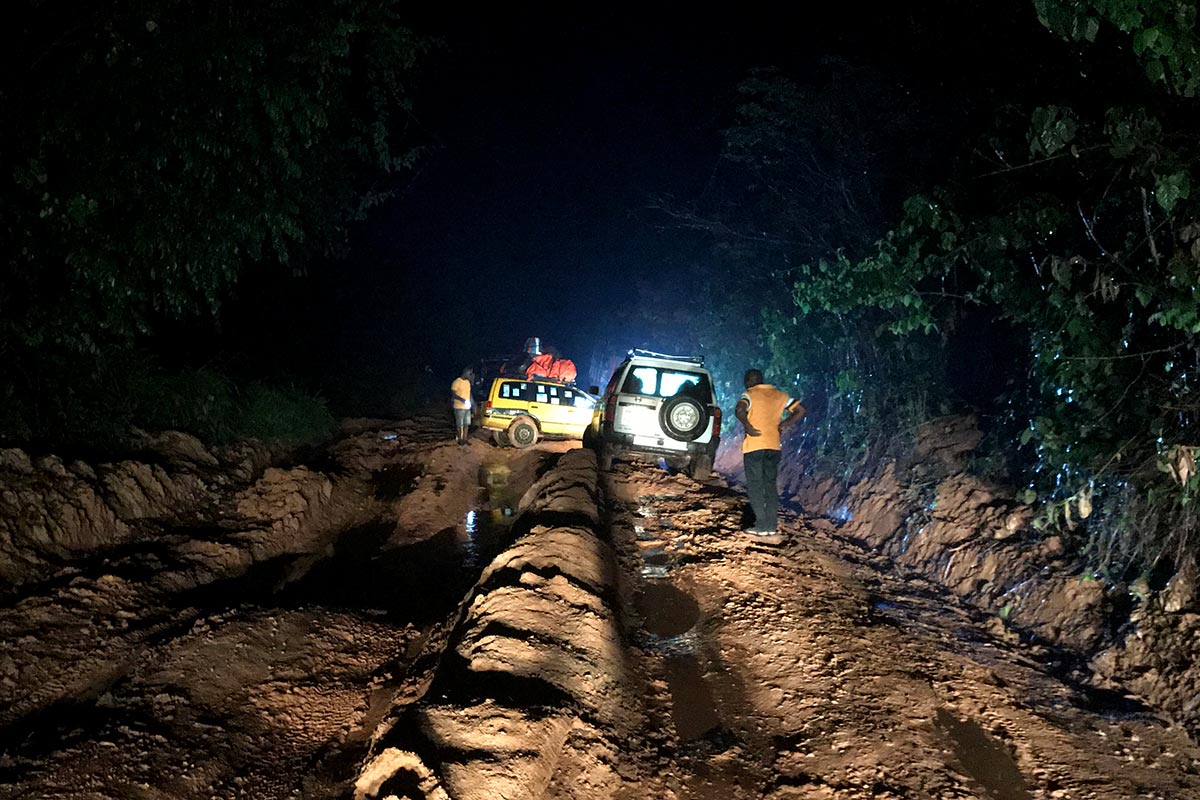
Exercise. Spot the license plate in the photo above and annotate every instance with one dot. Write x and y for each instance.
(649, 441)
(637, 416)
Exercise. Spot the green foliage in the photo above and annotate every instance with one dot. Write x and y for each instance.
(1090, 250)
(1053, 129)
(114, 392)
(284, 415)
(798, 180)
(199, 401)
(1163, 33)
(1070, 226)
(164, 148)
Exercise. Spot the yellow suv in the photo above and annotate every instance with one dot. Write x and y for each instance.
(519, 412)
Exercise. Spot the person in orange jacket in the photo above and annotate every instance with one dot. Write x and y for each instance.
(765, 413)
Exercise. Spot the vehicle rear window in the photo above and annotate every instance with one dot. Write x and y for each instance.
(659, 382)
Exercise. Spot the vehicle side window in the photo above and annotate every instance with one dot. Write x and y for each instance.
(510, 390)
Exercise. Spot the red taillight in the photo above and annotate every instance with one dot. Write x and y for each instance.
(488, 407)
(716, 429)
(610, 409)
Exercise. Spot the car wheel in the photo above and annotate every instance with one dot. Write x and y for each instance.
(684, 418)
(522, 432)
(700, 467)
(604, 457)
(500, 438)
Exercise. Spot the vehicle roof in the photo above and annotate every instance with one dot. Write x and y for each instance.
(692, 363)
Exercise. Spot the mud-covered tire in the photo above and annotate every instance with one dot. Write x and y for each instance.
(684, 418)
(604, 457)
(700, 467)
(500, 438)
(522, 433)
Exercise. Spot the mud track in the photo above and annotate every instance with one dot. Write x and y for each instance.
(449, 622)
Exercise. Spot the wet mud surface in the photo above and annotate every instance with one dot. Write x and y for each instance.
(447, 635)
(812, 669)
(143, 677)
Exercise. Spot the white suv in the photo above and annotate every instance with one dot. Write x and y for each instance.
(661, 406)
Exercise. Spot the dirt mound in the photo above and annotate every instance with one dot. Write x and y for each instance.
(535, 669)
(973, 538)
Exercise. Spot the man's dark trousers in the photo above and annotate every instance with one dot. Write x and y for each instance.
(762, 471)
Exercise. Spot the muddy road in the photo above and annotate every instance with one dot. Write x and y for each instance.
(401, 617)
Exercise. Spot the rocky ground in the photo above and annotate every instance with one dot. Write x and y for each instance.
(397, 616)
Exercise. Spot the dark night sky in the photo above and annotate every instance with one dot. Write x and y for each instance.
(548, 136)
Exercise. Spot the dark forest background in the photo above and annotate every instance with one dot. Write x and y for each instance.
(250, 221)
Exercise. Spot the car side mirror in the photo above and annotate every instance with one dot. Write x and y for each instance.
(593, 390)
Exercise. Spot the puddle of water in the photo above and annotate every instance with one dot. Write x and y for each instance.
(984, 758)
(395, 481)
(667, 611)
(670, 616)
(693, 709)
(419, 582)
(656, 556)
(501, 498)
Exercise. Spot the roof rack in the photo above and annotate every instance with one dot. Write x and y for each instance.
(698, 360)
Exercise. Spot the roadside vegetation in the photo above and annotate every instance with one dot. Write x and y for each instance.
(1045, 274)
(164, 152)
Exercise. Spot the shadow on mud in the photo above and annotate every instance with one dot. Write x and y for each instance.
(984, 758)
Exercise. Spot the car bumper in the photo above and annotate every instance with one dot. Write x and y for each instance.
(626, 442)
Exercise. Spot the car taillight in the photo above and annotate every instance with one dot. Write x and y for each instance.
(610, 408)
(488, 407)
(716, 428)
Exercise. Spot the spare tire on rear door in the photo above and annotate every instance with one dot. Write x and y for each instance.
(522, 432)
(684, 418)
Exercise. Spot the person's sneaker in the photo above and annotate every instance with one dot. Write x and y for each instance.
(772, 534)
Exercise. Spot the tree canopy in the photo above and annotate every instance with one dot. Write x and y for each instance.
(1060, 247)
(155, 150)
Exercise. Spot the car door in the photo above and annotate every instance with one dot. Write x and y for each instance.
(556, 415)
(637, 405)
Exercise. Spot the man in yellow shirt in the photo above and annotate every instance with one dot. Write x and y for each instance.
(765, 412)
(460, 401)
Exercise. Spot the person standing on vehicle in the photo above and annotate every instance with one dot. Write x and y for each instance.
(460, 401)
(765, 412)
